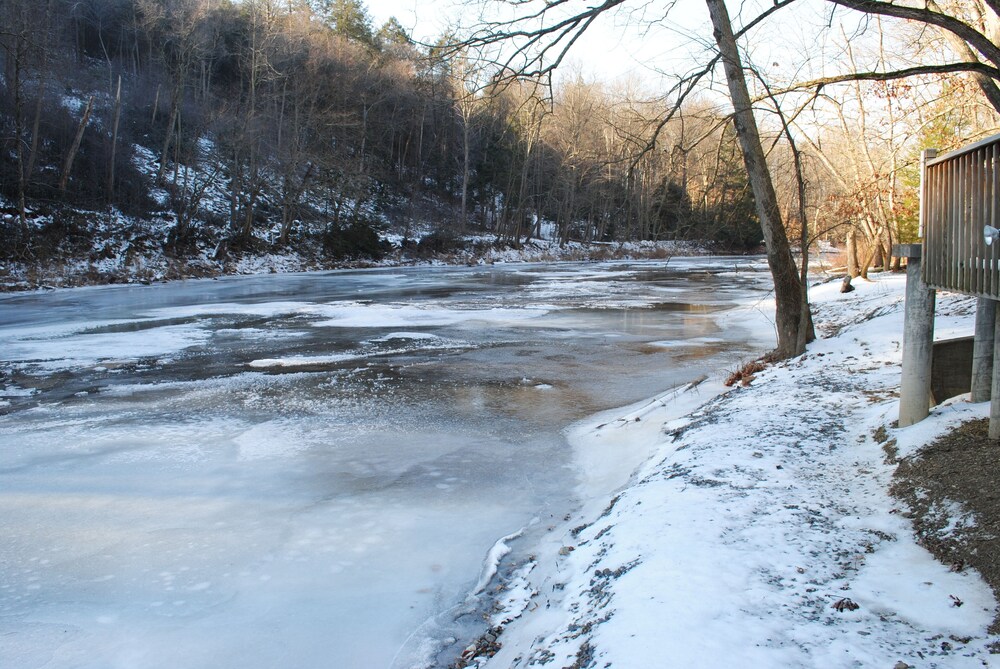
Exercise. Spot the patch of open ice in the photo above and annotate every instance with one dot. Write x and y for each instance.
(406, 335)
(56, 349)
(264, 309)
(17, 391)
(610, 446)
(302, 361)
(364, 315)
(679, 343)
(273, 439)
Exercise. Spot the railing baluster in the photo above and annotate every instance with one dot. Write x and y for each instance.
(960, 194)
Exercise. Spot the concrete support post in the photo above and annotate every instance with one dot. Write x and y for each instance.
(918, 340)
(982, 351)
(994, 432)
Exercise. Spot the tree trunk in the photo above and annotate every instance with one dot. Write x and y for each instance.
(35, 125)
(71, 156)
(156, 104)
(40, 93)
(22, 180)
(175, 104)
(465, 173)
(852, 253)
(787, 287)
(114, 142)
(290, 198)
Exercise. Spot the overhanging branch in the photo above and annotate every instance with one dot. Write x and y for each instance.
(947, 68)
(973, 37)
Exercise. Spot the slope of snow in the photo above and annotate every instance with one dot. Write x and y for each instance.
(760, 532)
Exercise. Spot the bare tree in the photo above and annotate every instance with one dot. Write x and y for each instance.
(971, 27)
(180, 24)
(467, 89)
(791, 318)
(17, 40)
(542, 37)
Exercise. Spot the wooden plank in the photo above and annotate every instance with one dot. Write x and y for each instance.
(961, 193)
(982, 193)
(968, 216)
(994, 290)
(980, 204)
(989, 211)
(992, 189)
(950, 230)
(951, 155)
(931, 241)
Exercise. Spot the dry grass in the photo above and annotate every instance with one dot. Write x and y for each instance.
(745, 374)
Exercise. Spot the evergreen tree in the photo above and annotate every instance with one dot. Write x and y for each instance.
(347, 18)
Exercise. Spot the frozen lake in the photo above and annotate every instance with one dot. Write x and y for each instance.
(309, 470)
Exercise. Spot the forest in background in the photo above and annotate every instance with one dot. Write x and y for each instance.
(216, 128)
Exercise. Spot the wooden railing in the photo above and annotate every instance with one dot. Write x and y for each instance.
(960, 195)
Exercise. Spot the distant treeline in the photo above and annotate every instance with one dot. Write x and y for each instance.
(304, 119)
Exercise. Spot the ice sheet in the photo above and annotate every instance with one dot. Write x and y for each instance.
(270, 471)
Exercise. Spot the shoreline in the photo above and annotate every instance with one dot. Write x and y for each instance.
(158, 268)
(764, 530)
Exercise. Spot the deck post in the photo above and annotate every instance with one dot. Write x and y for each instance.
(918, 339)
(982, 351)
(994, 432)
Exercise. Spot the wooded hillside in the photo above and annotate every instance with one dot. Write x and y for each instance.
(216, 127)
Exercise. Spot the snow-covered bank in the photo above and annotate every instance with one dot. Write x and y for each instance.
(123, 253)
(761, 531)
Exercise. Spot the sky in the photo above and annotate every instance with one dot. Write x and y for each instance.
(613, 48)
(639, 44)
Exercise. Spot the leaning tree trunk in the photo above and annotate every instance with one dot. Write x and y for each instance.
(787, 287)
(114, 142)
(71, 156)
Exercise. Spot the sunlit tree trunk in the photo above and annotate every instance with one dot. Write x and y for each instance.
(787, 286)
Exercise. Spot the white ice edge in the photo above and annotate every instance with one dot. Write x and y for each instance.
(609, 447)
(307, 360)
(301, 361)
(517, 595)
(492, 563)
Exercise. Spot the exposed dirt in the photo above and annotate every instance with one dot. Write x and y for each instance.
(952, 491)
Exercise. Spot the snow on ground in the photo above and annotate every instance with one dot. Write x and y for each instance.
(760, 532)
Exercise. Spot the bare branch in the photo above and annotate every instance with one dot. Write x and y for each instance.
(534, 44)
(948, 68)
(973, 37)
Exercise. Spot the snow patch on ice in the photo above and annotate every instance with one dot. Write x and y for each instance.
(58, 348)
(273, 439)
(610, 446)
(365, 315)
(13, 390)
(302, 361)
(406, 335)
